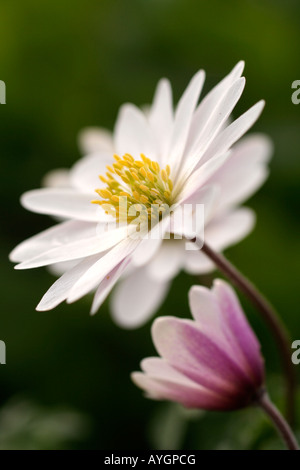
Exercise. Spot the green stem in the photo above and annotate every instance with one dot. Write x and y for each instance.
(271, 318)
(279, 422)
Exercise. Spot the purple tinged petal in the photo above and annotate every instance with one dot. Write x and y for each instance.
(240, 329)
(190, 397)
(199, 357)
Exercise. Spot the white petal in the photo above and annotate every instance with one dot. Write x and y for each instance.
(211, 102)
(196, 262)
(77, 249)
(204, 307)
(151, 243)
(57, 179)
(136, 299)
(244, 171)
(201, 176)
(208, 312)
(167, 263)
(230, 228)
(107, 284)
(95, 139)
(63, 233)
(58, 269)
(188, 347)
(157, 367)
(59, 291)
(62, 203)
(183, 119)
(85, 173)
(221, 232)
(212, 124)
(133, 133)
(93, 276)
(189, 219)
(161, 116)
(234, 132)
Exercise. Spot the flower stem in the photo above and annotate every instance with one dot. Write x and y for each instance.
(268, 313)
(279, 422)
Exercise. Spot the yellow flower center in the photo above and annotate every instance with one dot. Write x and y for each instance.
(135, 186)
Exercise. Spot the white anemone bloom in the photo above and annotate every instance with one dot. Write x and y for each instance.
(163, 156)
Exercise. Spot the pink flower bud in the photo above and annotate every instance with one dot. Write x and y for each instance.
(211, 362)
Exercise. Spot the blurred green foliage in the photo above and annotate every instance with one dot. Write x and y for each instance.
(67, 66)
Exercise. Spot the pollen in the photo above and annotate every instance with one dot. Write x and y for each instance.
(131, 182)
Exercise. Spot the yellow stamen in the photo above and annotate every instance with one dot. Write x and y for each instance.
(144, 188)
(143, 172)
(150, 177)
(128, 157)
(141, 181)
(135, 175)
(144, 198)
(105, 193)
(136, 195)
(117, 166)
(155, 167)
(164, 175)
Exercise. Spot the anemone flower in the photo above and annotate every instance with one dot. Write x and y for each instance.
(212, 362)
(161, 157)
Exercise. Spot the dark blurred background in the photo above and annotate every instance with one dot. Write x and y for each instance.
(71, 65)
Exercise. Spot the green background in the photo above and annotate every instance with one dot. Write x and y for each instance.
(68, 65)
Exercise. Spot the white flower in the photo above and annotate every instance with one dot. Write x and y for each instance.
(178, 157)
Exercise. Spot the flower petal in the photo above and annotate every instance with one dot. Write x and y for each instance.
(244, 171)
(233, 132)
(58, 269)
(107, 284)
(163, 382)
(211, 102)
(93, 276)
(62, 233)
(209, 128)
(136, 298)
(59, 178)
(95, 139)
(220, 233)
(229, 228)
(161, 117)
(183, 118)
(85, 173)
(167, 262)
(59, 291)
(160, 389)
(202, 175)
(196, 262)
(62, 203)
(193, 353)
(151, 243)
(205, 309)
(192, 214)
(241, 331)
(77, 249)
(133, 133)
